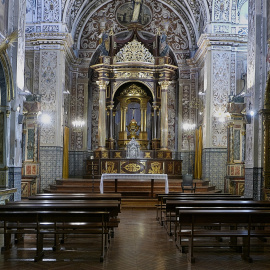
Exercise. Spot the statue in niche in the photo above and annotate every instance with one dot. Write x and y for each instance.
(163, 47)
(133, 127)
(137, 6)
(104, 44)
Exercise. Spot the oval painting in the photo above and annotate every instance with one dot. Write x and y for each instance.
(137, 13)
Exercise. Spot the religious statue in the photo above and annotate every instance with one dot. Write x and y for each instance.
(163, 46)
(104, 43)
(137, 6)
(133, 128)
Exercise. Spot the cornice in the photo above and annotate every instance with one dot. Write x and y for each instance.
(209, 41)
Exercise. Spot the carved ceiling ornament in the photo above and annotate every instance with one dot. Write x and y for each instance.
(134, 51)
(181, 32)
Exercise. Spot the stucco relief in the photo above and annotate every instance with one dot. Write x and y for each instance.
(95, 106)
(36, 71)
(51, 11)
(39, 10)
(30, 10)
(176, 36)
(221, 10)
(21, 45)
(233, 74)
(72, 12)
(73, 108)
(250, 80)
(171, 116)
(220, 88)
(48, 91)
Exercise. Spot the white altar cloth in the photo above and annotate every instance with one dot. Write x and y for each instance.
(139, 176)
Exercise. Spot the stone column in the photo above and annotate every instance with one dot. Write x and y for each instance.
(142, 120)
(102, 115)
(155, 121)
(111, 123)
(164, 115)
(145, 119)
(230, 146)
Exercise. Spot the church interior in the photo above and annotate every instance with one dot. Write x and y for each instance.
(132, 98)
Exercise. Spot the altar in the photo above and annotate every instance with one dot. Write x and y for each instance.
(139, 177)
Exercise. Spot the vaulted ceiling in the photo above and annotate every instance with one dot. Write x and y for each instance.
(187, 18)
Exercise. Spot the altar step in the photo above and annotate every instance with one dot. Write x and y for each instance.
(128, 188)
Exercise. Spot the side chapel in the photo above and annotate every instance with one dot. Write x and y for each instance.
(141, 86)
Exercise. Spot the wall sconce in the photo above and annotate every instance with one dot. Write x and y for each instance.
(44, 118)
(249, 114)
(78, 125)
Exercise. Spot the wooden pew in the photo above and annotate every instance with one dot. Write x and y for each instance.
(161, 206)
(76, 196)
(246, 221)
(110, 206)
(113, 206)
(172, 206)
(54, 222)
(171, 209)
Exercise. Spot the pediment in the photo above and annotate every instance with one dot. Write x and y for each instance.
(134, 51)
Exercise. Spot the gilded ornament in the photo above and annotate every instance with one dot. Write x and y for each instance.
(156, 168)
(134, 51)
(147, 155)
(132, 167)
(117, 155)
(134, 91)
(160, 155)
(110, 167)
(104, 154)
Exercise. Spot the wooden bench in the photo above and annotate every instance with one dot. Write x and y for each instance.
(76, 196)
(161, 205)
(192, 224)
(170, 203)
(56, 223)
(173, 206)
(110, 206)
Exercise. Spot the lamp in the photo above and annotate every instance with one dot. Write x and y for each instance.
(78, 125)
(44, 118)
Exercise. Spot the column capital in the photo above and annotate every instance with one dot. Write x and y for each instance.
(164, 84)
(102, 84)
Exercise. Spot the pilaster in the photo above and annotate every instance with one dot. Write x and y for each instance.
(256, 74)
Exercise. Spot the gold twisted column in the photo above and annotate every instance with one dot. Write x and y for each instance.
(102, 115)
(164, 115)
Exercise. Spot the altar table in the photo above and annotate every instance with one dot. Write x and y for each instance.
(139, 177)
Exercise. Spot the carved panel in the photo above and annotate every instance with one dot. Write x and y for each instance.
(171, 116)
(95, 106)
(250, 80)
(51, 11)
(48, 91)
(222, 10)
(221, 87)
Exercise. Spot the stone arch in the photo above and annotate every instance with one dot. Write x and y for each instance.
(6, 76)
(143, 84)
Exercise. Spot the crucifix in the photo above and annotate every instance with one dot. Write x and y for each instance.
(133, 110)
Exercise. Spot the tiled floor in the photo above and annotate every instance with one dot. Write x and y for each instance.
(140, 243)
